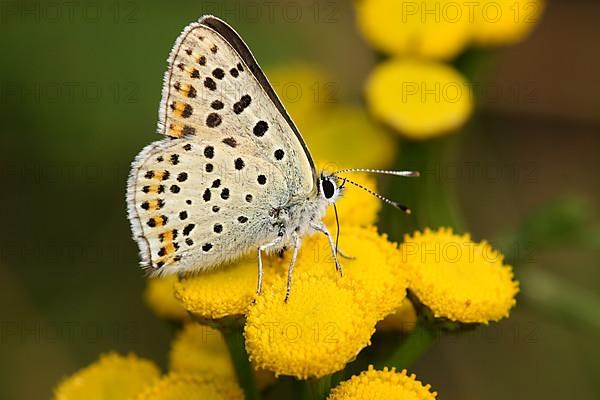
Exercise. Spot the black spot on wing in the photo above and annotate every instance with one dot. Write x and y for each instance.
(210, 84)
(213, 120)
(231, 142)
(239, 163)
(260, 128)
(188, 229)
(218, 73)
(217, 105)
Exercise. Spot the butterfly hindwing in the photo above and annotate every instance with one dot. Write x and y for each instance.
(211, 88)
(197, 203)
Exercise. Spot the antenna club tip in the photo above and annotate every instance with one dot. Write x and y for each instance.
(408, 211)
(416, 174)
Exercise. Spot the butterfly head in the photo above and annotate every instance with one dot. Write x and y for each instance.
(329, 189)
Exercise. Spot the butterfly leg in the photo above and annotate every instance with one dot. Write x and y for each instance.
(260, 266)
(346, 256)
(292, 263)
(323, 229)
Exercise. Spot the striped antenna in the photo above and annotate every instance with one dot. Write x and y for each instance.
(380, 171)
(380, 197)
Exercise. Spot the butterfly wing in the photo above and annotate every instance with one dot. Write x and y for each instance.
(204, 195)
(214, 84)
(196, 203)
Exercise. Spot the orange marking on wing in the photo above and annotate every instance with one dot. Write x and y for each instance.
(154, 205)
(166, 236)
(169, 248)
(187, 90)
(154, 189)
(192, 72)
(176, 129)
(159, 221)
(177, 108)
(160, 175)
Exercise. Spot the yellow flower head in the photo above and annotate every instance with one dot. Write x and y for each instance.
(315, 333)
(431, 28)
(403, 320)
(505, 22)
(375, 268)
(386, 384)
(112, 377)
(355, 207)
(161, 299)
(457, 278)
(177, 386)
(226, 291)
(200, 349)
(305, 90)
(348, 136)
(420, 99)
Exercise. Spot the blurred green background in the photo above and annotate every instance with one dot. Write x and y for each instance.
(81, 84)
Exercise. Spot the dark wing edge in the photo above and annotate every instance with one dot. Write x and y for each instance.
(238, 44)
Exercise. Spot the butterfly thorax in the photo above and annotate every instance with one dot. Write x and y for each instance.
(296, 217)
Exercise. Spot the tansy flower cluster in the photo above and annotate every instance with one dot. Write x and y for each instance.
(328, 320)
(386, 384)
(415, 91)
(459, 279)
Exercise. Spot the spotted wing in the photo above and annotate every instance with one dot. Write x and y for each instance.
(214, 85)
(196, 203)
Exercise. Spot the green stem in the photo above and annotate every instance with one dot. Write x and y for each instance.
(318, 388)
(434, 204)
(431, 197)
(234, 339)
(416, 343)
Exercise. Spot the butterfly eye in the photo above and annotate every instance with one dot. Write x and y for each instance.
(328, 188)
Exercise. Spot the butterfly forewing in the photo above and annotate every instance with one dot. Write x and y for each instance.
(211, 89)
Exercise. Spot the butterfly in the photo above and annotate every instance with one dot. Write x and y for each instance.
(233, 173)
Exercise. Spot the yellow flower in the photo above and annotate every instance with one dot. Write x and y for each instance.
(316, 332)
(431, 28)
(404, 319)
(112, 377)
(348, 136)
(200, 349)
(355, 207)
(161, 299)
(505, 22)
(386, 384)
(457, 278)
(305, 90)
(420, 99)
(376, 266)
(225, 291)
(176, 386)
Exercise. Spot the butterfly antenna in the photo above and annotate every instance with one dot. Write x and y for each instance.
(337, 222)
(399, 206)
(380, 171)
